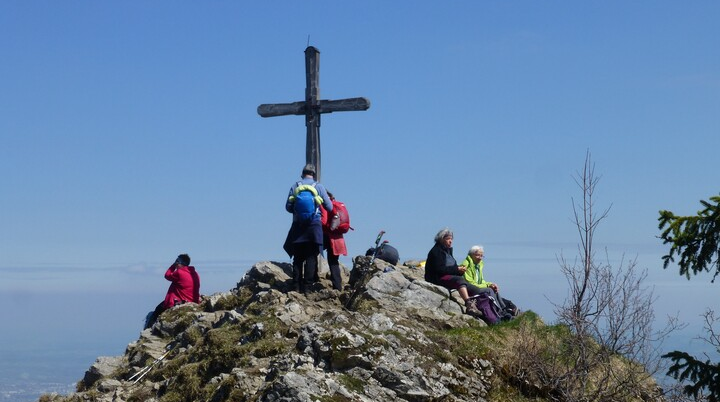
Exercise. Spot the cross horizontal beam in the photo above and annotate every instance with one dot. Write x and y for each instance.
(324, 106)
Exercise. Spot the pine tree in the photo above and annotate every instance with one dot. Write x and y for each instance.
(695, 239)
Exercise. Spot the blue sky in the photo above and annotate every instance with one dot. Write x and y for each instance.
(129, 132)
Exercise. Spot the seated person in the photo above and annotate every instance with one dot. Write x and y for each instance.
(474, 276)
(442, 269)
(185, 287)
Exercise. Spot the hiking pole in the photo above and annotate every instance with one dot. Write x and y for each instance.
(377, 251)
(379, 236)
(364, 269)
(377, 244)
(147, 369)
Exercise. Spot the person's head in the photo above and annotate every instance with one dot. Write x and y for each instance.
(183, 259)
(476, 253)
(444, 237)
(309, 170)
(330, 195)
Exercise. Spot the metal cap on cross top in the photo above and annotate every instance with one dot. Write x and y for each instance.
(312, 107)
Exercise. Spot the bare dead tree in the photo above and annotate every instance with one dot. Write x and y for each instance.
(583, 288)
(604, 347)
(711, 322)
(609, 313)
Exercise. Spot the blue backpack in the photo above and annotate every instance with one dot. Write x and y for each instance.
(306, 202)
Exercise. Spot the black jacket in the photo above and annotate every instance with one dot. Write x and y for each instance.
(440, 261)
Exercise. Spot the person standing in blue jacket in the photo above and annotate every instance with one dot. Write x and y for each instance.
(305, 238)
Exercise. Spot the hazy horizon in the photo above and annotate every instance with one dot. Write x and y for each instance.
(58, 334)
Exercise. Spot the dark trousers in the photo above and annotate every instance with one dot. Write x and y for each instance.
(153, 316)
(474, 290)
(305, 264)
(334, 264)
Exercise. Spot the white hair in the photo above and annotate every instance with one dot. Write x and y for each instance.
(475, 249)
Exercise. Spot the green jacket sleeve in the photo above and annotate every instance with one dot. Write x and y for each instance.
(471, 273)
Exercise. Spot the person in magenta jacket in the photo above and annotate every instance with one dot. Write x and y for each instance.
(185, 287)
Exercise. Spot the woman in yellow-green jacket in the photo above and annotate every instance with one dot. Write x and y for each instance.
(474, 275)
(474, 268)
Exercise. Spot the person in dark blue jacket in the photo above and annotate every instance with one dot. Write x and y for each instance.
(305, 238)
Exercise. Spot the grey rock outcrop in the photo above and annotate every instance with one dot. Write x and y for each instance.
(262, 342)
(104, 366)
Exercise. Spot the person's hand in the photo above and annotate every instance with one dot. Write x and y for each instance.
(495, 287)
(462, 269)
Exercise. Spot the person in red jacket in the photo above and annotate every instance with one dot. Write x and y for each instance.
(185, 287)
(334, 243)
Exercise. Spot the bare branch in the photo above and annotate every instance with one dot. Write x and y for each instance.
(608, 311)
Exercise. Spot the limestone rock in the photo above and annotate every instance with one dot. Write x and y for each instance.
(261, 341)
(104, 366)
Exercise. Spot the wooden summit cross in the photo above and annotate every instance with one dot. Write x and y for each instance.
(313, 107)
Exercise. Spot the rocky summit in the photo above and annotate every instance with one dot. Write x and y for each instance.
(389, 336)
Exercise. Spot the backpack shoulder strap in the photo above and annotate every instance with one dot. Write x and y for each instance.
(307, 187)
(298, 188)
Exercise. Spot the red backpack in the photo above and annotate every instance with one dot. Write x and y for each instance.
(340, 219)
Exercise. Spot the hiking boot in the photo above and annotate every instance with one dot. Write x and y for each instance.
(471, 309)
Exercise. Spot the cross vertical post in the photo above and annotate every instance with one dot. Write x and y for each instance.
(312, 105)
